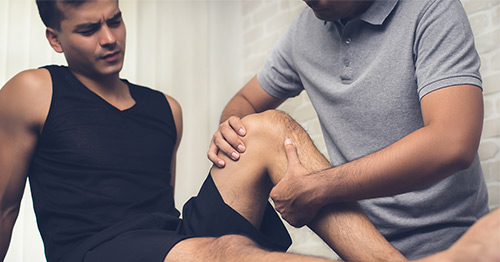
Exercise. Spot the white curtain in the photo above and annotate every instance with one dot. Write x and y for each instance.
(189, 49)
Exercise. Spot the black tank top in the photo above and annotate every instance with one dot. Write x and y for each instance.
(96, 168)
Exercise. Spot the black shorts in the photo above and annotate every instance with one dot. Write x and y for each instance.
(153, 235)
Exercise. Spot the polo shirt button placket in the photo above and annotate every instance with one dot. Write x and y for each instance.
(346, 75)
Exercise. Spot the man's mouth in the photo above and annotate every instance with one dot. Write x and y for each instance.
(110, 57)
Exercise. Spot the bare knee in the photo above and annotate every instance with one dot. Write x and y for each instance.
(272, 124)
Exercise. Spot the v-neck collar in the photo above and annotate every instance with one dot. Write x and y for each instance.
(79, 84)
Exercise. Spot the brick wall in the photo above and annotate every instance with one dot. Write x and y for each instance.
(484, 16)
(265, 21)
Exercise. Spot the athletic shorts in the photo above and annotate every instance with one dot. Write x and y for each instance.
(152, 236)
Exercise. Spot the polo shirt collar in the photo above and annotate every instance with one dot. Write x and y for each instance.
(378, 11)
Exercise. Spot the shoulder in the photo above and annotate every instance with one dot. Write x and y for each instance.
(30, 90)
(174, 106)
(30, 80)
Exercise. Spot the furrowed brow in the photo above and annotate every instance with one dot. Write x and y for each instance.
(86, 26)
(115, 17)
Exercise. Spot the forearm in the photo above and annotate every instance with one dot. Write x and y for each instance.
(238, 106)
(414, 162)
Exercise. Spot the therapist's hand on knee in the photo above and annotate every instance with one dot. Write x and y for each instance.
(227, 139)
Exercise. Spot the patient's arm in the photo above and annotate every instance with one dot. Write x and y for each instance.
(24, 103)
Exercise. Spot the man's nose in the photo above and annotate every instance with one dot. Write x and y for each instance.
(106, 36)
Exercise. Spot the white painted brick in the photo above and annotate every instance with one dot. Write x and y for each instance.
(495, 60)
(491, 128)
(490, 171)
(487, 150)
(266, 43)
(489, 109)
(247, 23)
(479, 22)
(496, 16)
(278, 24)
(265, 13)
(494, 195)
(491, 83)
(250, 6)
(253, 64)
(498, 105)
(253, 34)
(472, 6)
(488, 41)
(249, 51)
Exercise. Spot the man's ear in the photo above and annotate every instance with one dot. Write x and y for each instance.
(53, 37)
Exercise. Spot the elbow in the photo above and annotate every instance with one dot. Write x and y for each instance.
(462, 155)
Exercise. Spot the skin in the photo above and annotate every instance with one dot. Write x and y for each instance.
(25, 99)
(245, 186)
(92, 38)
(24, 104)
(480, 243)
(447, 143)
(331, 10)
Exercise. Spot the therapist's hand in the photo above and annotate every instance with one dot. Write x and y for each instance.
(227, 139)
(294, 195)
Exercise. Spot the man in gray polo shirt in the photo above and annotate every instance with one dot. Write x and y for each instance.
(397, 90)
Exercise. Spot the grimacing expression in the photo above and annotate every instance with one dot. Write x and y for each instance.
(92, 37)
(331, 10)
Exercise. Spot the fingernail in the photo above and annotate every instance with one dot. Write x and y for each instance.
(220, 163)
(241, 148)
(234, 155)
(288, 141)
(241, 132)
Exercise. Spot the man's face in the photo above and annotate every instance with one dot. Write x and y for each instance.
(92, 37)
(331, 10)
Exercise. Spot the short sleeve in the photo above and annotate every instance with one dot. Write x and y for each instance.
(278, 76)
(444, 49)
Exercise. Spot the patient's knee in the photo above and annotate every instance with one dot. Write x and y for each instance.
(272, 124)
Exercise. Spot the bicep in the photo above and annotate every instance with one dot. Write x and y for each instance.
(455, 113)
(24, 106)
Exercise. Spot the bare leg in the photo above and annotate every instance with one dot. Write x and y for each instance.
(228, 248)
(245, 186)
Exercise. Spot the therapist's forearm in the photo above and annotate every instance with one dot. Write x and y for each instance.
(415, 162)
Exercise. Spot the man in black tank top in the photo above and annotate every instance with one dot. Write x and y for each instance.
(98, 151)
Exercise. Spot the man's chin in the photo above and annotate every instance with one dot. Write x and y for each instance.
(324, 16)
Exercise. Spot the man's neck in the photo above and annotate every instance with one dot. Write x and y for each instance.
(110, 88)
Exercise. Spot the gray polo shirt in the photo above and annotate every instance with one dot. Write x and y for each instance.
(365, 80)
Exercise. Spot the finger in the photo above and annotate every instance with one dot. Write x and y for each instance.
(212, 155)
(291, 153)
(223, 146)
(232, 138)
(237, 125)
(274, 196)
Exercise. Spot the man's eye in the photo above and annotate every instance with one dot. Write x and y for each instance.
(87, 32)
(114, 23)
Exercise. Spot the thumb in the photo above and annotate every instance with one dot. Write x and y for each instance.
(291, 153)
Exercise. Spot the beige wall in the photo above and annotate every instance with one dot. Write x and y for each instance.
(265, 20)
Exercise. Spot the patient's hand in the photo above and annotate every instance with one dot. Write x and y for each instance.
(227, 139)
(294, 195)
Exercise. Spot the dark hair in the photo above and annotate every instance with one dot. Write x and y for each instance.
(51, 14)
